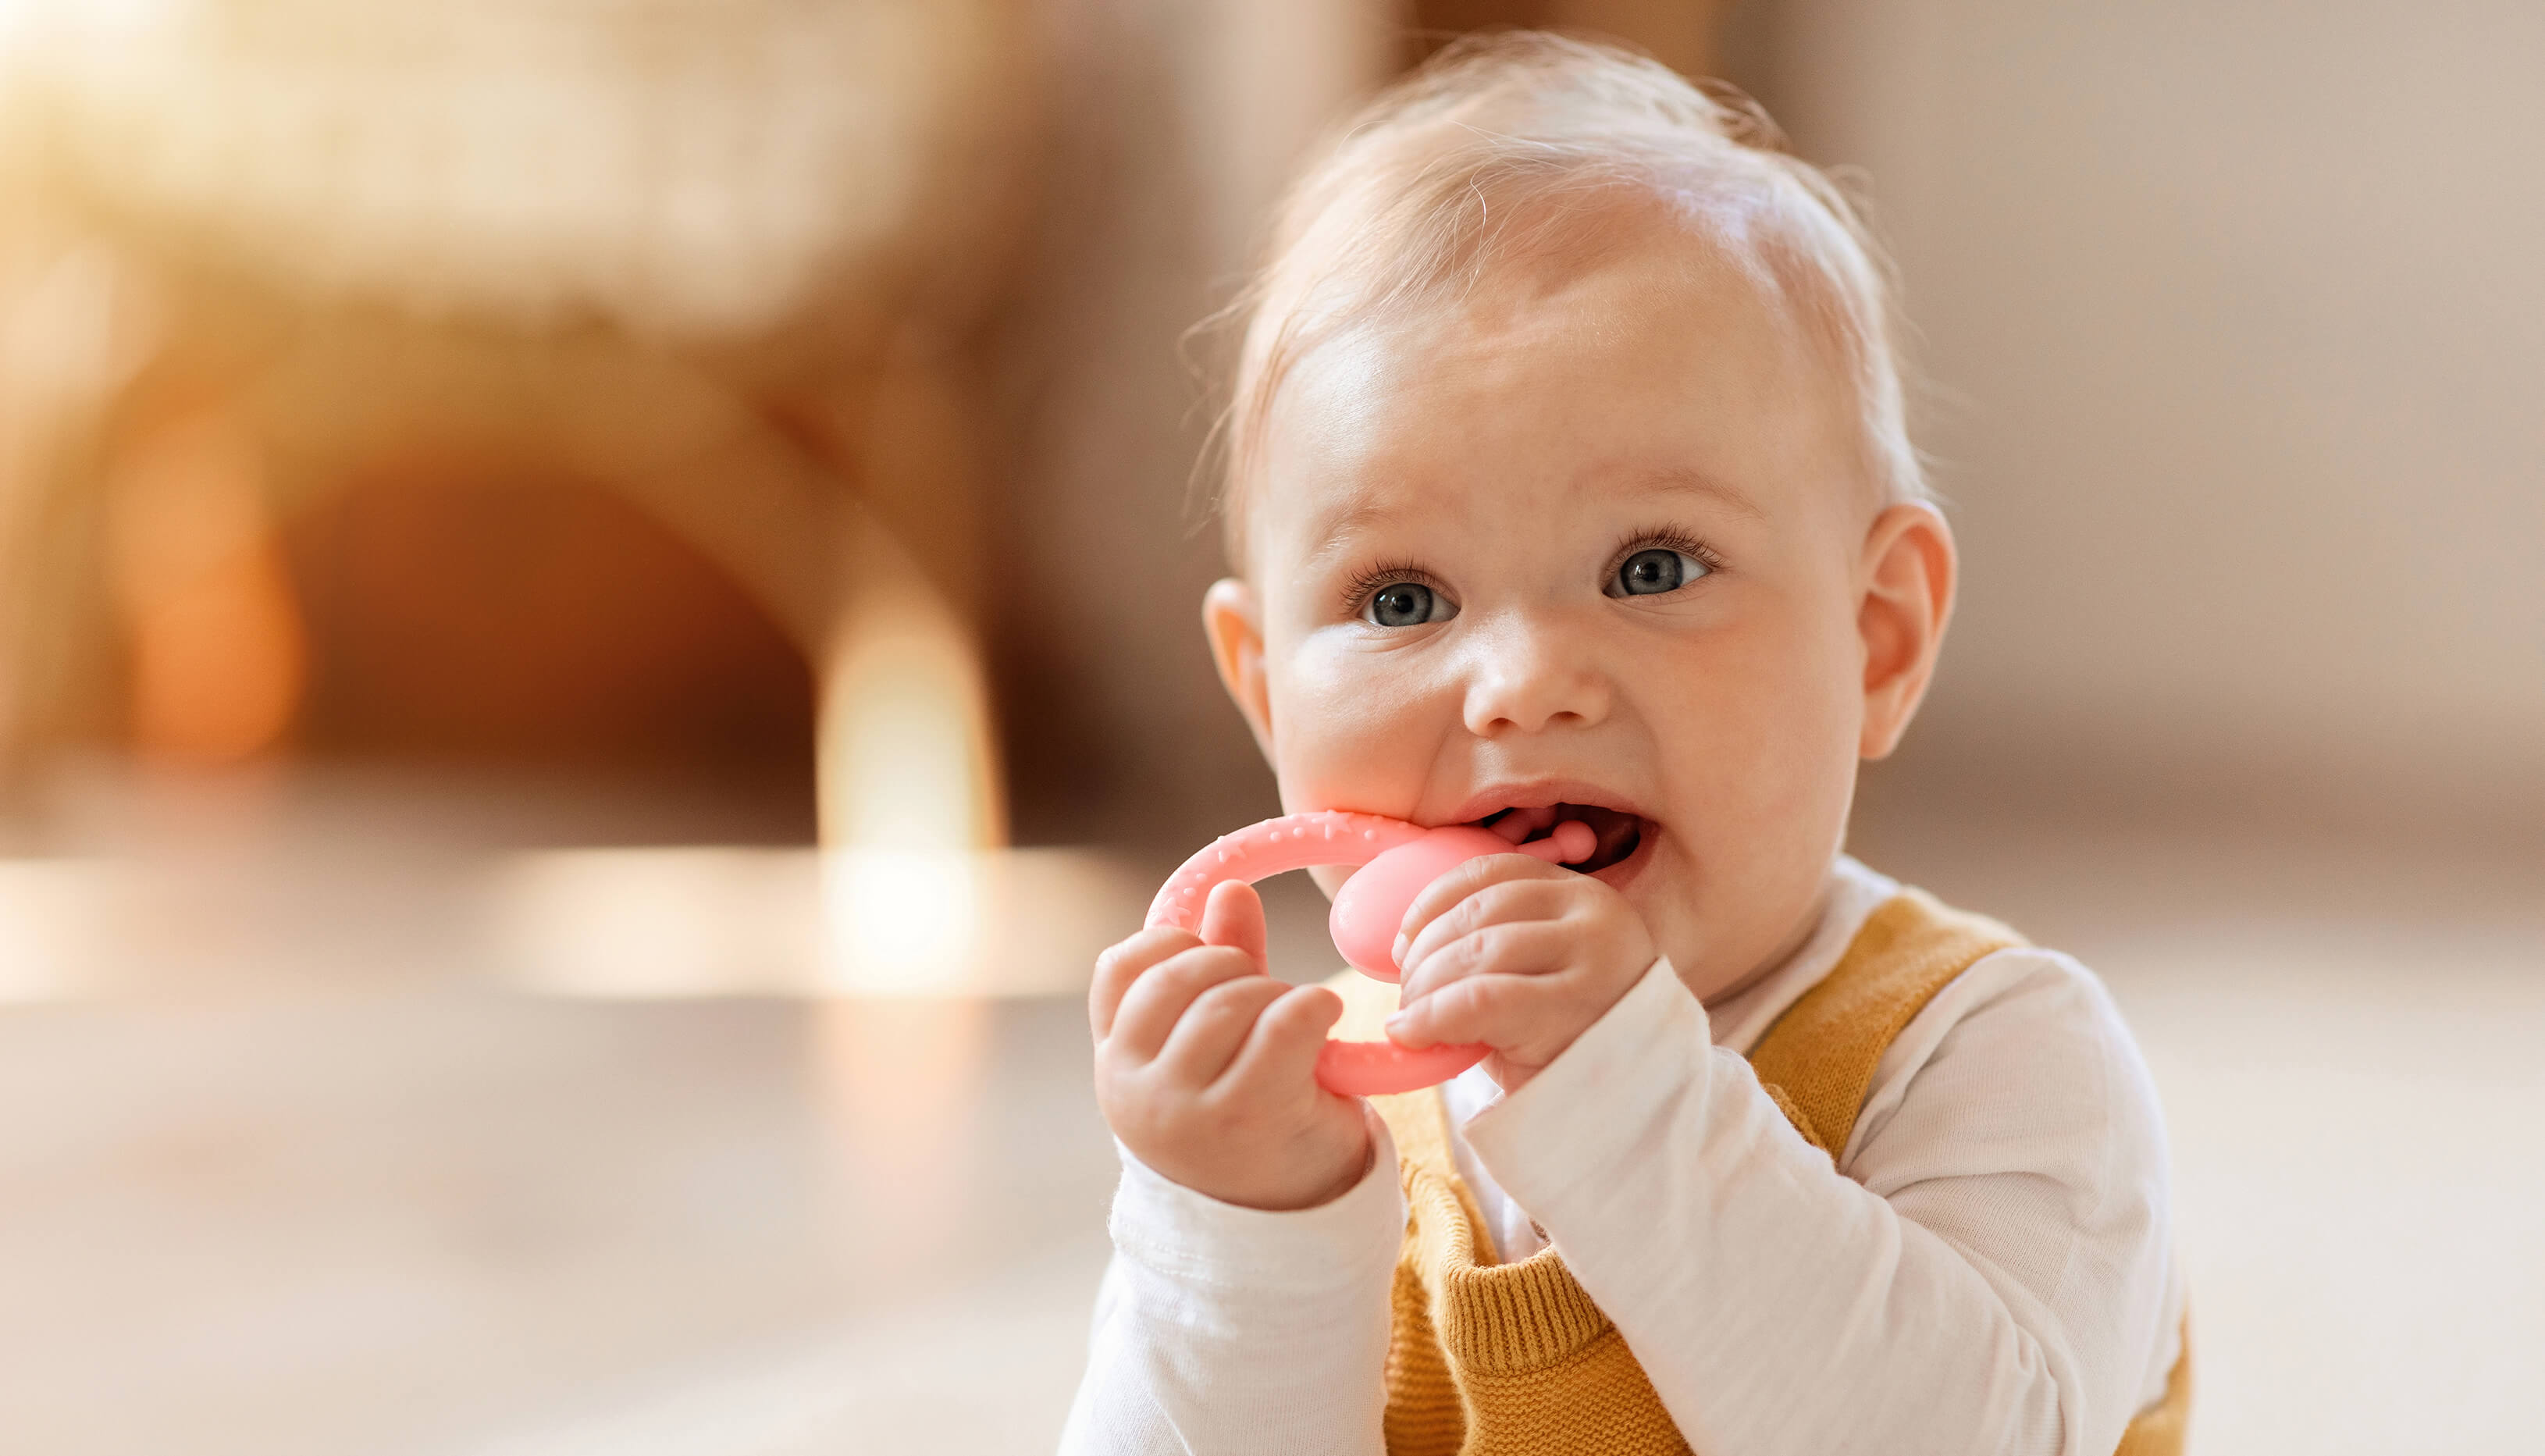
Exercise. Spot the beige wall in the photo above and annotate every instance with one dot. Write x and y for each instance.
(2237, 317)
(1175, 126)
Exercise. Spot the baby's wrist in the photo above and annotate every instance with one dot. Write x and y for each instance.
(1313, 1182)
(1307, 1189)
(1346, 1177)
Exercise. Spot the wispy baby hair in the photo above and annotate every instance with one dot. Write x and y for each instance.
(1519, 145)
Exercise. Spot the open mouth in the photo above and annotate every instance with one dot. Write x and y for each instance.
(1620, 833)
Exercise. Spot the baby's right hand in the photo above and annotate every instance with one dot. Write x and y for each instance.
(1205, 1066)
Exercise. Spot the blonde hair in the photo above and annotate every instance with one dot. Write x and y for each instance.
(1502, 148)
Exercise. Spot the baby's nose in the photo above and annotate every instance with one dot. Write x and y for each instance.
(1528, 677)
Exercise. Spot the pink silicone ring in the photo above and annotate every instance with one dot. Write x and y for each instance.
(1366, 914)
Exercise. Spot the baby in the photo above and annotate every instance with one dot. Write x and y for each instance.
(1568, 480)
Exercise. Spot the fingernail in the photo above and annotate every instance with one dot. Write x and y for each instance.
(1396, 952)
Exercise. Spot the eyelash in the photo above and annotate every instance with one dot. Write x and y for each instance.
(1666, 538)
(1365, 583)
(1368, 581)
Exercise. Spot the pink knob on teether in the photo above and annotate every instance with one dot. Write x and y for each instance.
(1399, 861)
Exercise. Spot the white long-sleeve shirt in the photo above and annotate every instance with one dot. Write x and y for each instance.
(1989, 1267)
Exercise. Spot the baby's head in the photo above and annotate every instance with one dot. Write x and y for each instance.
(1568, 476)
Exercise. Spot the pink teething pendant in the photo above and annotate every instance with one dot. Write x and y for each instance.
(1397, 860)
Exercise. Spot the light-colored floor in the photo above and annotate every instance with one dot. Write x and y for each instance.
(305, 1167)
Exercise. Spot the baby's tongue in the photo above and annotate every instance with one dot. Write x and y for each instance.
(1519, 826)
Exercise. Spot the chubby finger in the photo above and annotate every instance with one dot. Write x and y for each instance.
(1281, 1050)
(1155, 1001)
(1516, 947)
(1497, 1010)
(1208, 1036)
(1233, 915)
(1462, 881)
(1122, 964)
(1496, 904)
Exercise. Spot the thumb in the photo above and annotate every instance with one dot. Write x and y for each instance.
(1233, 915)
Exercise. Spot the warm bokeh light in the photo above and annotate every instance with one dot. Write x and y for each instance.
(693, 920)
(910, 799)
(658, 921)
(57, 920)
(906, 761)
(219, 659)
(903, 921)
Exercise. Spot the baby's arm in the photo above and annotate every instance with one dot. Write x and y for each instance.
(1222, 1328)
(1988, 1274)
(1256, 1224)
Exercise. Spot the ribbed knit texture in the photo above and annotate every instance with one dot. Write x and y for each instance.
(1489, 1359)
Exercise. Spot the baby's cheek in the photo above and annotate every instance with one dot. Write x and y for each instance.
(1775, 734)
(1760, 782)
(1344, 734)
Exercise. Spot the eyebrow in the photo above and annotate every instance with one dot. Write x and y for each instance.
(1338, 523)
(1682, 480)
(1332, 527)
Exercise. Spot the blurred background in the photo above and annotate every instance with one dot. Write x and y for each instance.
(597, 617)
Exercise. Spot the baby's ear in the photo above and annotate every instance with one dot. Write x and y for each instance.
(1908, 574)
(1233, 620)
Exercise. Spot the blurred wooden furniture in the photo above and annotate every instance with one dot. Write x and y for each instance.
(724, 262)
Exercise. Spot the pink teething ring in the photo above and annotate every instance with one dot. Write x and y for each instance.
(1397, 859)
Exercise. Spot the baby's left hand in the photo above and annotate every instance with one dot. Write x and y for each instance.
(1518, 955)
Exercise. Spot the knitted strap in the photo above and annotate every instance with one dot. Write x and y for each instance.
(1818, 1059)
(1501, 1317)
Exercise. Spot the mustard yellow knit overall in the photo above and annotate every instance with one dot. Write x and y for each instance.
(1488, 1359)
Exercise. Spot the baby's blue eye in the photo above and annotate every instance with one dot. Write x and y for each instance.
(1406, 605)
(1652, 572)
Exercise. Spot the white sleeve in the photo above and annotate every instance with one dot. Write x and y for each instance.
(1991, 1272)
(1221, 1329)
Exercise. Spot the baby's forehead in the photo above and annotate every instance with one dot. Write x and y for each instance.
(1656, 349)
(1607, 264)
(1735, 249)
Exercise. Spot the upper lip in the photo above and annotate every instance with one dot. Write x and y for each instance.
(1538, 793)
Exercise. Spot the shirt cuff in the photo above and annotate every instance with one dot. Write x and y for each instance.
(1595, 1101)
(1197, 1240)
